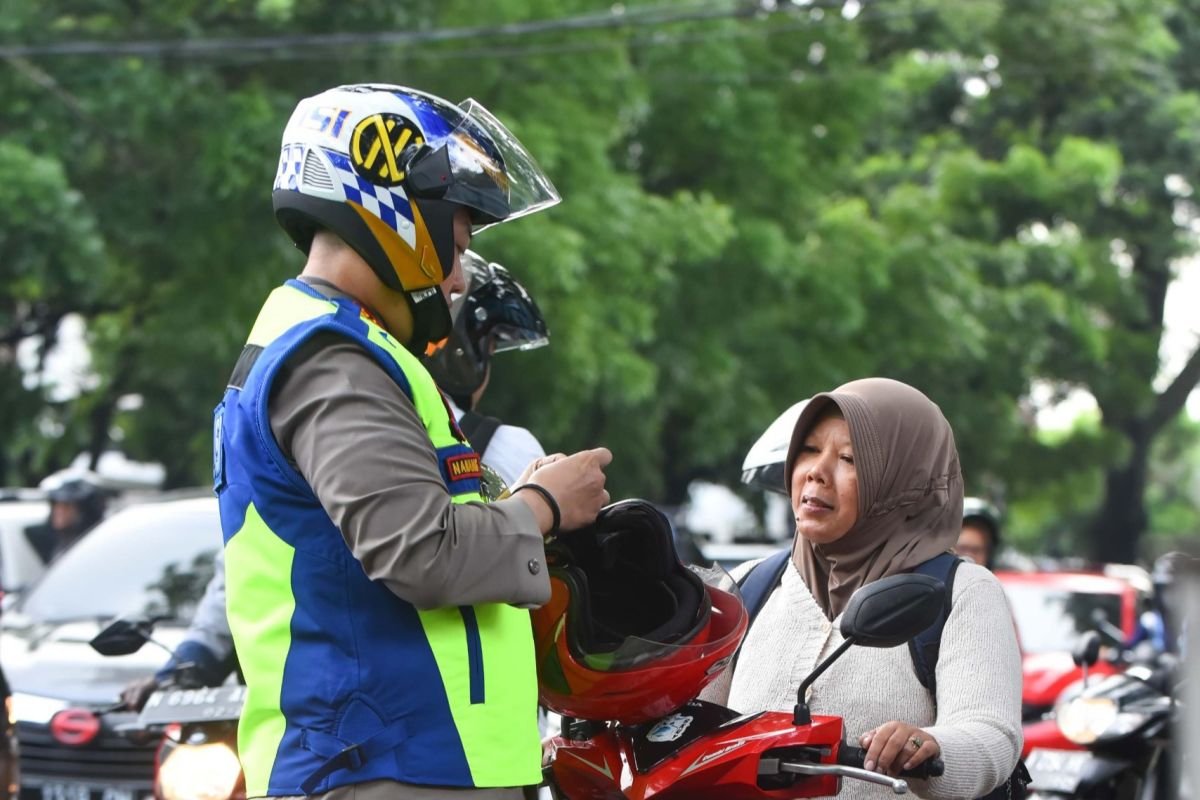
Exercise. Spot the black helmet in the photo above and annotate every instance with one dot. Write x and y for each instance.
(71, 487)
(982, 514)
(82, 488)
(494, 314)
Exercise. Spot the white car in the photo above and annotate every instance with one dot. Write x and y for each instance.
(20, 564)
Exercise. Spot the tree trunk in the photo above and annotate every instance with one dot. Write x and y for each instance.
(1114, 532)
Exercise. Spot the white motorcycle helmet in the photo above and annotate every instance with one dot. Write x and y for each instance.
(763, 465)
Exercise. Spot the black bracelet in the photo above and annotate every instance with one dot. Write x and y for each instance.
(555, 514)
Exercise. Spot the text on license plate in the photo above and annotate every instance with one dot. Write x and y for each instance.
(1057, 770)
(82, 791)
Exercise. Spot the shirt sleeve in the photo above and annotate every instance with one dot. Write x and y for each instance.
(357, 440)
(510, 451)
(210, 625)
(978, 692)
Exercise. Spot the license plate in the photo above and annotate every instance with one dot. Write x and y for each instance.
(1057, 770)
(58, 790)
(208, 704)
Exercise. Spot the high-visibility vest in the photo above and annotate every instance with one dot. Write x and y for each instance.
(346, 682)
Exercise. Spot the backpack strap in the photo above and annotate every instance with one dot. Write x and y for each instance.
(756, 586)
(926, 646)
(478, 429)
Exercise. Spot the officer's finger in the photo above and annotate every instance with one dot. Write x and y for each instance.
(602, 455)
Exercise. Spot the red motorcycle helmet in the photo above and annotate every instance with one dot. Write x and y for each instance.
(630, 634)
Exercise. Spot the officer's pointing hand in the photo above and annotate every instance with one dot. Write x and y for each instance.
(576, 484)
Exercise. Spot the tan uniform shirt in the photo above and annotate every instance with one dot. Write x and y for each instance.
(359, 443)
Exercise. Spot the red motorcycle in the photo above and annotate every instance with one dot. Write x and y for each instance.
(703, 750)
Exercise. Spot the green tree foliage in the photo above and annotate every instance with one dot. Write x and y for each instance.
(759, 204)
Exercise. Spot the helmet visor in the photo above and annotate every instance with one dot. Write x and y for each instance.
(492, 171)
(500, 314)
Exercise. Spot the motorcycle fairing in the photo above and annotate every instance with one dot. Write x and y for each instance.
(720, 763)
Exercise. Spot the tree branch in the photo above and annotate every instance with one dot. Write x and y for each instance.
(1174, 396)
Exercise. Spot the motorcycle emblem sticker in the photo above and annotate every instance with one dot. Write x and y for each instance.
(669, 729)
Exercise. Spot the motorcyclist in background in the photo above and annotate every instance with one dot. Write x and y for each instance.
(1162, 625)
(77, 501)
(494, 314)
(980, 536)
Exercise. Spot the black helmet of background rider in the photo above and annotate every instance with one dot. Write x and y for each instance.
(83, 491)
(386, 168)
(981, 514)
(494, 314)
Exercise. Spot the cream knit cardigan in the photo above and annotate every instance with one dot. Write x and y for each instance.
(977, 720)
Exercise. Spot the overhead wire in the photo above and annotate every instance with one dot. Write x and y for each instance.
(617, 17)
(814, 17)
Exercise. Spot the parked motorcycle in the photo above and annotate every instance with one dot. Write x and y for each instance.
(703, 750)
(197, 757)
(1124, 725)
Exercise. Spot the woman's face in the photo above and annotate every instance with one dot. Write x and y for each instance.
(825, 482)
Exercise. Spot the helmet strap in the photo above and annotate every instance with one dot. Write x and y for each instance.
(431, 318)
(438, 216)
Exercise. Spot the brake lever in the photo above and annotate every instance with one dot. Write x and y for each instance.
(774, 766)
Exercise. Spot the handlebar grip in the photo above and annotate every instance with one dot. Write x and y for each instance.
(851, 756)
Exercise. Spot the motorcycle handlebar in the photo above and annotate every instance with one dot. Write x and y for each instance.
(851, 756)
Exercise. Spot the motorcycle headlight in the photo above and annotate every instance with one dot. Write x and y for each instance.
(199, 772)
(1085, 719)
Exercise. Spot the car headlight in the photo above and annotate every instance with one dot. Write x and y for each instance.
(199, 772)
(1085, 719)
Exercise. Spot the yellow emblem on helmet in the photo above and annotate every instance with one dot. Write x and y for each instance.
(377, 144)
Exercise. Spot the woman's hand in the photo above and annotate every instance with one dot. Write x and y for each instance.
(895, 746)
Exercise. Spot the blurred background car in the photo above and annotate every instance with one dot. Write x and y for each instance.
(150, 560)
(21, 511)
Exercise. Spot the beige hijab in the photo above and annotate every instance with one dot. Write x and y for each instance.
(910, 493)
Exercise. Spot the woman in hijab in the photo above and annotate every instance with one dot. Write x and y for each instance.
(876, 490)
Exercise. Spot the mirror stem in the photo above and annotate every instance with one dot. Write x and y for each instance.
(156, 642)
(801, 714)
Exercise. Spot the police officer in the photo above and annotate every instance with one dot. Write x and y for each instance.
(377, 605)
(494, 314)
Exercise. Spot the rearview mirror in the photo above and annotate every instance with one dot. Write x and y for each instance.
(1087, 649)
(890, 611)
(884, 613)
(122, 637)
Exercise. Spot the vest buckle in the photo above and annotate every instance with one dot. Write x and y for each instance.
(351, 756)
